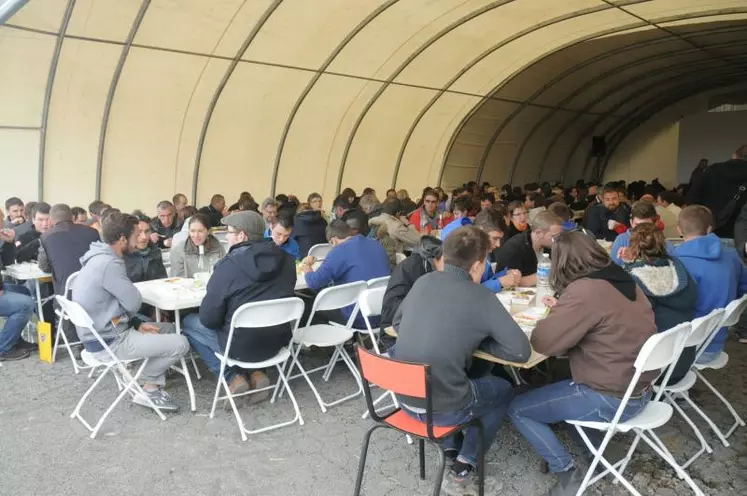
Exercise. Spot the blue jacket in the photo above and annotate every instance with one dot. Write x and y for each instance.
(357, 259)
(720, 275)
(490, 279)
(455, 224)
(623, 241)
(290, 247)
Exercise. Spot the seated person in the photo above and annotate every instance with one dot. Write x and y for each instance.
(600, 321)
(216, 210)
(427, 217)
(199, 252)
(80, 216)
(345, 209)
(503, 278)
(270, 208)
(309, 227)
(27, 244)
(281, 233)
(254, 269)
(564, 212)
(103, 289)
(518, 221)
(461, 208)
(642, 213)
(15, 208)
(143, 262)
(719, 271)
(609, 218)
(404, 235)
(165, 225)
(425, 258)
(521, 251)
(353, 258)
(16, 304)
(442, 321)
(95, 209)
(665, 282)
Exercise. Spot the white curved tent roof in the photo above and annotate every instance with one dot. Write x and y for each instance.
(133, 100)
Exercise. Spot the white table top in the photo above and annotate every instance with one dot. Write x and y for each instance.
(25, 271)
(179, 293)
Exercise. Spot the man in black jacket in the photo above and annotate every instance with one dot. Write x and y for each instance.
(216, 210)
(717, 189)
(145, 263)
(165, 225)
(444, 319)
(254, 269)
(740, 243)
(309, 229)
(61, 250)
(28, 243)
(610, 218)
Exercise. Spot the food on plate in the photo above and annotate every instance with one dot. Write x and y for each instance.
(173, 279)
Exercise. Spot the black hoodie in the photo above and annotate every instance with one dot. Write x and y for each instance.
(251, 271)
(715, 189)
(309, 229)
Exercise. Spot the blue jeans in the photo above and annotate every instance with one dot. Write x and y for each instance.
(490, 399)
(17, 306)
(708, 356)
(205, 343)
(534, 411)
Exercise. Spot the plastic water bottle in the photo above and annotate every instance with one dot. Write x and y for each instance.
(543, 279)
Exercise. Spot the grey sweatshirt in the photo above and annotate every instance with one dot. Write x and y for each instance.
(106, 293)
(442, 321)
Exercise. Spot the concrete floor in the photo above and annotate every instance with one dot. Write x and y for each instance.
(44, 452)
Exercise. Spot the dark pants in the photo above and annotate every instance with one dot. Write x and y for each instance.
(490, 399)
(741, 327)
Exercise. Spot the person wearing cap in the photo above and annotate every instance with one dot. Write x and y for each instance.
(255, 269)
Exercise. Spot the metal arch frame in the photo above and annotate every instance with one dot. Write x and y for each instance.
(221, 86)
(643, 113)
(9, 9)
(491, 95)
(112, 91)
(606, 94)
(586, 86)
(469, 66)
(636, 122)
(322, 69)
(433, 39)
(48, 95)
(641, 91)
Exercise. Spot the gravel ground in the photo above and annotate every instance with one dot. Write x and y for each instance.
(44, 452)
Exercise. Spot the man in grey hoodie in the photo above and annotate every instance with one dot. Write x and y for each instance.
(111, 300)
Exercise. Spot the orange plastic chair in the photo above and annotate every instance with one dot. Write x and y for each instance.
(413, 380)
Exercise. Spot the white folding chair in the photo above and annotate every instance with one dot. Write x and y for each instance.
(328, 335)
(61, 317)
(369, 305)
(731, 316)
(703, 328)
(320, 251)
(253, 315)
(378, 282)
(659, 352)
(400, 257)
(125, 380)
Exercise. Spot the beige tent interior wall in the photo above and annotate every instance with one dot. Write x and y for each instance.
(298, 96)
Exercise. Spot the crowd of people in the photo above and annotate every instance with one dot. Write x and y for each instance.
(628, 260)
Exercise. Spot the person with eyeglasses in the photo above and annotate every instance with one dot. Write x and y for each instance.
(518, 219)
(522, 251)
(425, 218)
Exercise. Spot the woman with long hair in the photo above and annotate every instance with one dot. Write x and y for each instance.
(600, 321)
(199, 252)
(666, 283)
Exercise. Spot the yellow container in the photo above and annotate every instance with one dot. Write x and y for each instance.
(44, 335)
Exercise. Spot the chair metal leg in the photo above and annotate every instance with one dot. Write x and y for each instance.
(421, 457)
(738, 420)
(704, 446)
(440, 474)
(364, 454)
(598, 458)
(194, 366)
(708, 420)
(656, 444)
(480, 457)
